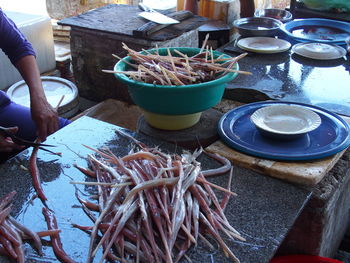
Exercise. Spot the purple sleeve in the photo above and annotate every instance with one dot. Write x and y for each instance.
(12, 41)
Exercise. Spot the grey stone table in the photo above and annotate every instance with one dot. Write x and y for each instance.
(290, 77)
(264, 210)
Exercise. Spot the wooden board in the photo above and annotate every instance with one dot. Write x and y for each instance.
(306, 173)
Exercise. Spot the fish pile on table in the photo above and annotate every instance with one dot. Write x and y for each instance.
(13, 234)
(153, 206)
(150, 206)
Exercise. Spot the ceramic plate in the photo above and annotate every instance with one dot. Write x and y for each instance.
(285, 121)
(319, 51)
(320, 30)
(239, 133)
(263, 44)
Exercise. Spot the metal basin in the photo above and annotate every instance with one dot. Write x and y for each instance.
(279, 14)
(257, 26)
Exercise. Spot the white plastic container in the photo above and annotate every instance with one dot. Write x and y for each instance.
(38, 30)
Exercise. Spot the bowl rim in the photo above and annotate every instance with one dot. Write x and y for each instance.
(261, 13)
(312, 116)
(226, 78)
(288, 27)
(277, 23)
(273, 9)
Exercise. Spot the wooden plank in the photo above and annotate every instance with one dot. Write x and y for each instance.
(306, 173)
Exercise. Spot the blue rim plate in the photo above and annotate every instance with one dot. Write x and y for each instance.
(239, 133)
(317, 30)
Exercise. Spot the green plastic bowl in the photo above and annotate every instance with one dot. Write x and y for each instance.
(175, 100)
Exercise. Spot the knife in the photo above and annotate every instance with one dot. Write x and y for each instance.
(154, 16)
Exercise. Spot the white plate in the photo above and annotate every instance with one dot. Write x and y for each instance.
(263, 44)
(319, 51)
(285, 120)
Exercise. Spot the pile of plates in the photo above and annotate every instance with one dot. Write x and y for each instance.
(314, 38)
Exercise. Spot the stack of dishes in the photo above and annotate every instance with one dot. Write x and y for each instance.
(284, 131)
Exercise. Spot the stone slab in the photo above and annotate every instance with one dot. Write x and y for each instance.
(122, 20)
(263, 219)
(288, 77)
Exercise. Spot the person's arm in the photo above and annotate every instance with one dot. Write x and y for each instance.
(43, 114)
(22, 55)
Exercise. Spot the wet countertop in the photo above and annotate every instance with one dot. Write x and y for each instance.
(290, 77)
(263, 212)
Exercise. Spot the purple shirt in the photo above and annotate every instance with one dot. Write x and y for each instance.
(13, 43)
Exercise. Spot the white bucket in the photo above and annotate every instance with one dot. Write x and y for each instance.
(54, 88)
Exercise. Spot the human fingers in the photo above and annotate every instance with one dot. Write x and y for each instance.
(42, 131)
(46, 120)
(7, 145)
(12, 130)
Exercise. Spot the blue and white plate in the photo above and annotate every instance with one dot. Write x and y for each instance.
(320, 30)
(238, 132)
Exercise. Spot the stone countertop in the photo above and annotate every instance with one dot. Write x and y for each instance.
(290, 77)
(263, 212)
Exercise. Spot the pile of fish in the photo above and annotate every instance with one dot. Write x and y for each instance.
(153, 206)
(150, 206)
(176, 68)
(13, 234)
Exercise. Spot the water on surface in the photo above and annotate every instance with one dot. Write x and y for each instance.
(290, 77)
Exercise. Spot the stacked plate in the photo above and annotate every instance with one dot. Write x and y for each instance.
(284, 131)
(263, 44)
(319, 51)
(326, 31)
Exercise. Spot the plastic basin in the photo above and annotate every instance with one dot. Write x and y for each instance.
(175, 100)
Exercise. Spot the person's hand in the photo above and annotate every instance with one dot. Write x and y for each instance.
(45, 118)
(6, 143)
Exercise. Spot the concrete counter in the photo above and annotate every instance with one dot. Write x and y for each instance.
(264, 210)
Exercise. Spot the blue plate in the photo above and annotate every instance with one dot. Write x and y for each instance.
(317, 30)
(238, 132)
